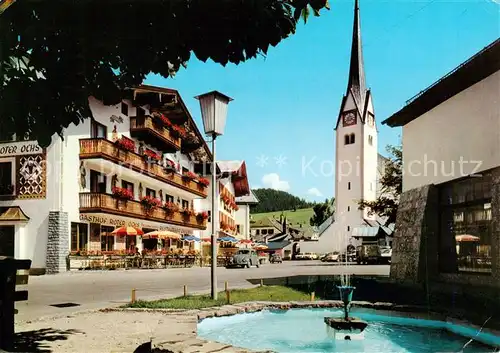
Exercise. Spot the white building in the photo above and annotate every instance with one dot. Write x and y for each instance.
(451, 181)
(356, 158)
(64, 198)
(243, 214)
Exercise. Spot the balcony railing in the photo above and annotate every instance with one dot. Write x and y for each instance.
(154, 134)
(105, 149)
(93, 202)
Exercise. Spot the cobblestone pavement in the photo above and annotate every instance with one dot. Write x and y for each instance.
(96, 289)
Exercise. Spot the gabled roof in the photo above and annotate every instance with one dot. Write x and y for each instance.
(250, 199)
(237, 170)
(475, 69)
(265, 222)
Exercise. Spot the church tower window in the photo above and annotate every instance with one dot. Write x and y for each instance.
(348, 228)
(370, 140)
(346, 140)
(352, 138)
(348, 208)
(349, 186)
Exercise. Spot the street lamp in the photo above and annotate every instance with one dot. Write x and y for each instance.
(213, 107)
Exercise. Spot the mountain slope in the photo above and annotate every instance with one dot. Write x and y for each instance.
(271, 200)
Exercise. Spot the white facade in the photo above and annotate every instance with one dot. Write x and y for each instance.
(432, 157)
(243, 220)
(67, 175)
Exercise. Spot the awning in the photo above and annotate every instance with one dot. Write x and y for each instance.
(191, 238)
(228, 239)
(13, 214)
(365, 232)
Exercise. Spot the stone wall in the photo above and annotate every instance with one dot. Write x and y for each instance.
(415, 243)
(57, 242)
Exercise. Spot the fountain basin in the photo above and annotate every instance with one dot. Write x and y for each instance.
(352, 325)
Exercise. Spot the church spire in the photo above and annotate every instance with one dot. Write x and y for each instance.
(357, 83)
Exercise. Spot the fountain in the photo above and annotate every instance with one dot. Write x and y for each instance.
(345, 324)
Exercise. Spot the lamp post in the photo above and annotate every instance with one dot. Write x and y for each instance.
(213, 107)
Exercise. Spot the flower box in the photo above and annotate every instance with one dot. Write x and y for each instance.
(150, 203)
(148, 154)
(162, 119)
(122, 193)
(201, 216)
(126, 144)
(170, 207)
(189, 176)
(203, 182)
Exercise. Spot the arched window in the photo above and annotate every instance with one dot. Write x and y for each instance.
(346, 140)
(352, 139)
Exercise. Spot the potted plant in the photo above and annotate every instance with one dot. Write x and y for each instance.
(126, 144)
(151, 155)
(187, 212)
(202, 216)
(150, 203)
(122, 193)
(203, 182)
(170, 207)
(189, 176)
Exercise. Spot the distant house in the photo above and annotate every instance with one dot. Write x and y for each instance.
(243, 213)
(261, 229)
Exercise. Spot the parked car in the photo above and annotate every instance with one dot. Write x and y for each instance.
(368, 254)
(300, 256)
(330, 257)
(244, 258)
(307, 256)
(348, 257)
(276, 259)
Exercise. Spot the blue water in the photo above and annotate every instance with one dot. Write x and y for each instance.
(303, 330)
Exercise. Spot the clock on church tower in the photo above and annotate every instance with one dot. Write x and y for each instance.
(349, 119)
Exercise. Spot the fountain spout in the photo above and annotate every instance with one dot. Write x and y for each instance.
(346, 297)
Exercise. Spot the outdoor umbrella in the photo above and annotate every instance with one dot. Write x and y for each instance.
(466, 238)
(261, 247)
(246, 241)
(161, 234)
(228, 239)
(191, 238)
(130, 231)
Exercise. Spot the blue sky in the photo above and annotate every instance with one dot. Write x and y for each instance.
(286, 104)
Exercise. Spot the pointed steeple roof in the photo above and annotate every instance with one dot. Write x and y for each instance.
(357, 84)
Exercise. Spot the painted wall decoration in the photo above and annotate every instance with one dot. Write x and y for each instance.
(32, 175)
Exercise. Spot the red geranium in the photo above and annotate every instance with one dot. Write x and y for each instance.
(153, 155)
(166, 121)
(122, 193)
(189, 176)
(170, 207)
(202, 215)
(150, 203)
(204, 181)
(178, 131)
(126, 144)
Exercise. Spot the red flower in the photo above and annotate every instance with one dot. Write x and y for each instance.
(153, 155)
(187, 212)
(126, 144)
(122, 193)
(150, 202)
(189, 176)
(203, 181)
(202, 215)
(166, 121)
(170, 207)
(171, 164)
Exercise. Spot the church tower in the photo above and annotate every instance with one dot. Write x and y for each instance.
(356, 143)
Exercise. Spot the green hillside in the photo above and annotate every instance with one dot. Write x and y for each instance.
(297, 217)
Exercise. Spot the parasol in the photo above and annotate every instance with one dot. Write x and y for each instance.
(245, 241)
(466, 238)
(130, 231)
(161, 234)
(261, 247)
(191, 238)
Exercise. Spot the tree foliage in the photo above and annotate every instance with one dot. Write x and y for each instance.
(391, 181)
(271, 200)
(321, 212)
(55, 54)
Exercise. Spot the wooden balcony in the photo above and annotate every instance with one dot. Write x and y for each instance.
(93, 202)
(147, 130)
(101, 148)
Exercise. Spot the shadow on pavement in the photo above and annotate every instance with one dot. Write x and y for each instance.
(36, 341)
